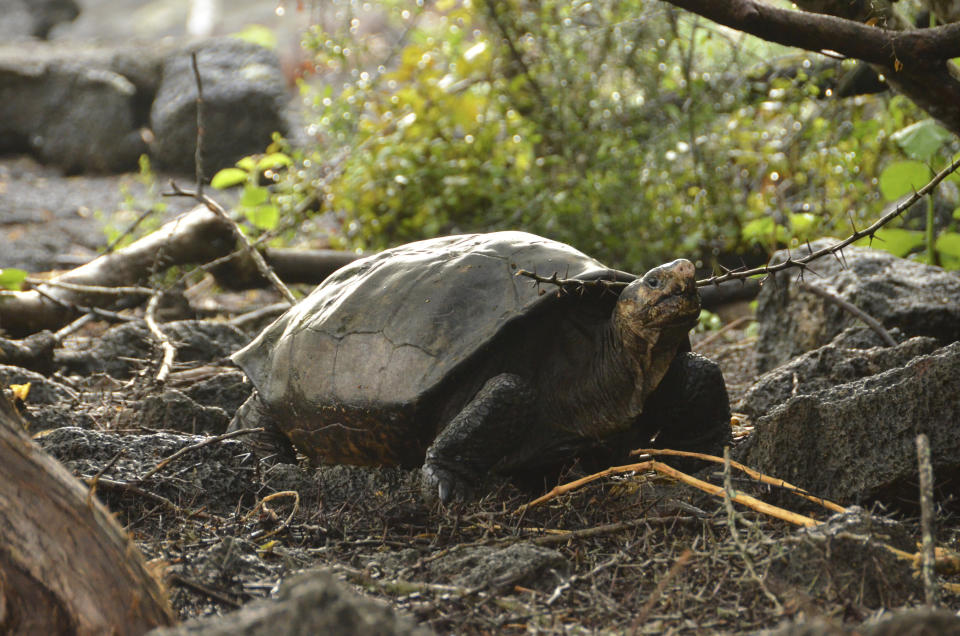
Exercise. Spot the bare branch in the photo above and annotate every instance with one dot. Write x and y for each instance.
(573, 285)
(870, 321)
(815, 32)
(257, 257)
(198, 152)
(169, 351)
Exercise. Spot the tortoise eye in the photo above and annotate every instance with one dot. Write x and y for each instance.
(652, 282)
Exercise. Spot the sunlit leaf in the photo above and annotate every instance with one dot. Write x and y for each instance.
(265, 217)
(759, 230)
(897, 241)
(903, 177)
(229, 177)
(948, 248)
(802, 224)
(20, 391)
(922, 140)
(253, 196)
(12, 278)
(274, 160)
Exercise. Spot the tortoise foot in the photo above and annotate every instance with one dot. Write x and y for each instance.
(446, 484)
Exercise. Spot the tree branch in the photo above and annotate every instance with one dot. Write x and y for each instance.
(913, 48)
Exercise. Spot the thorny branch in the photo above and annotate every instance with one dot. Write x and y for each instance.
(567, 285)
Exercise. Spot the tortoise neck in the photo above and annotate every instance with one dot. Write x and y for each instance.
(611, 392)
(645, 355)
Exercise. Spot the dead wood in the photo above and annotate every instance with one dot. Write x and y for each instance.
(248, 248)
(34, 352)
(66, 566)
(195, 237)
(291, 265)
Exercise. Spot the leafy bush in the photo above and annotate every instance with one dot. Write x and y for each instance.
(631, 130)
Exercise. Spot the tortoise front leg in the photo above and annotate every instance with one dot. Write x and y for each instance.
(486, 430)
(690, 408)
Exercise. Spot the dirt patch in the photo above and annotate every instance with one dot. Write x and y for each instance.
(231, 529)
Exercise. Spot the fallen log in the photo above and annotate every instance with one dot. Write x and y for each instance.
(196, 237)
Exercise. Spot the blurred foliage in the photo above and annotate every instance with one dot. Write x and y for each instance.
(141, 210)
(630, 129)
(12, 278)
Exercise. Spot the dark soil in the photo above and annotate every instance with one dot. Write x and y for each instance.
(632, 553)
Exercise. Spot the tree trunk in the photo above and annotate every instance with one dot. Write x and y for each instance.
(66, 566)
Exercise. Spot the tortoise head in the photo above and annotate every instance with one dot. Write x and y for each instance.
(662, 304)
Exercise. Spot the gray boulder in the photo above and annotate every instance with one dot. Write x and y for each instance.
(846, 559)
(314, 602)
(21, 19)
(856, 441)
(244, 104)
(919, 300)
(855, 353)
(70, 106)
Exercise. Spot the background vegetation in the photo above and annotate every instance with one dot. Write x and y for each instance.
(630, 129)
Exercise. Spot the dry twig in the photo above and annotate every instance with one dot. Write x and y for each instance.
(766, 479)
(728, 500)
(664, 469)
(187, 449)
(870, 321)
(169, 351)
(198, 151)
(257, 257)
(662, 584)
(263, 504)
(928, 547)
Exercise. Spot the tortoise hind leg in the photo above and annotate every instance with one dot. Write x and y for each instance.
(485, 431)
(270, 442)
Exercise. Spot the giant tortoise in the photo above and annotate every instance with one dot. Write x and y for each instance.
(436, 354)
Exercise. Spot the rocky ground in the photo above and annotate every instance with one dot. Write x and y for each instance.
(821, 401)
(635, 552)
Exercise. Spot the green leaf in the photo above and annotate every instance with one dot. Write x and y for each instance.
(229, 177)
(897, 241)
(247, 163)
(922, 140)
(11, 278)
(265, 217)
(253, 196)
(758, 230)
(802, 223)
(273, 160)
(956, 213)
(948, 247)
(903, 177)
